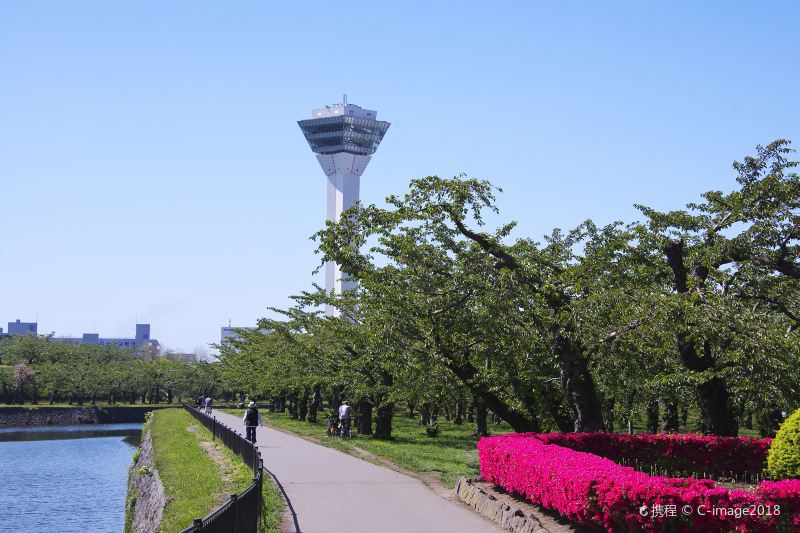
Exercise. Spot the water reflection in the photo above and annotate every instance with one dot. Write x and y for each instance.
(131, 432)
(69, 479)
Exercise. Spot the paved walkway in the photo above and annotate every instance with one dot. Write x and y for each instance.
(332, 492)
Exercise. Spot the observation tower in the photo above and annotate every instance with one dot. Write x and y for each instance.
(343, 137)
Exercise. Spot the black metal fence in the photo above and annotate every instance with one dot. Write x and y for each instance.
(242, 513)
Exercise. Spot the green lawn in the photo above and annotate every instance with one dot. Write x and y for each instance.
(451, 454)
(692, 424)
(192, 481)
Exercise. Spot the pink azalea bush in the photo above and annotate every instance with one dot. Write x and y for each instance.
(597, 492)
(684, 452)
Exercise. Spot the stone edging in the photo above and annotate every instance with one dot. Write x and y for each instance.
(508, 516)
(146, 500)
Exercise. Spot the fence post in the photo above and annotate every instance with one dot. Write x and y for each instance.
(234, 504)
(214, 429)
(198, 523)
(257, 481)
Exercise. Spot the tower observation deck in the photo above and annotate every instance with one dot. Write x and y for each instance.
(344, 137)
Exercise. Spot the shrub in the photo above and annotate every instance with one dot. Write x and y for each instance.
(432, 429)
(597, 492)
(784, 455)
(675, 453)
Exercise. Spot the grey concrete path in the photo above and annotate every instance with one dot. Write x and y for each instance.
(332, 492)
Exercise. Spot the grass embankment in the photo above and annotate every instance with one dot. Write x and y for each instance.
(194, 483)
(451, 454)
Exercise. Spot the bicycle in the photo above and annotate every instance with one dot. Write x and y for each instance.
(344, 429)
(332, 424)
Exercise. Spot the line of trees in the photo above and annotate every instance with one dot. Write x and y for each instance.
(34, 369)
(693, 309)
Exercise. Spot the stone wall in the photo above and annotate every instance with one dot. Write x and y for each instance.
(145, 503)
(47, 416)
(58, 416)
(511, 515)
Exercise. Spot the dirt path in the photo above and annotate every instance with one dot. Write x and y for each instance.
(223, 462)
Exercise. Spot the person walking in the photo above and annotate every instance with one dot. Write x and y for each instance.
(251, 419)
(209, 401)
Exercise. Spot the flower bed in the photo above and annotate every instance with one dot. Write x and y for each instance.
(688, 453)
(597, 492)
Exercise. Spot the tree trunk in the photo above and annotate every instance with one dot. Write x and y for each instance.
(577, 386)
(425, 414)
(410, 410)
(336, 398)
(364, 417)
(471, 413)
(383, 421)
(447, 413)
(519, 422)
(669, 424)
(316, 402)
(302, 405)
(716, 411)
(652, 416)
(481, 429)
(715, 408)
(769, 422)
(608, 414)
(459, 417)
(557, 408)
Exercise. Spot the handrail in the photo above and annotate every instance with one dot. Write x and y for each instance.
(242, 512)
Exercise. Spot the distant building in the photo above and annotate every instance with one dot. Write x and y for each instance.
(140, 340)
(230, 333)
(21, 328)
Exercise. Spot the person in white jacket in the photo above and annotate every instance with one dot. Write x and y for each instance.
(251, 419)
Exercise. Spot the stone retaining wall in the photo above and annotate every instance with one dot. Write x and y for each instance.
(145, 503)
(59, 416)
(510, 514)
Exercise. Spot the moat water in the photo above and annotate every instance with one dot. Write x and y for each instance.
(65, 478)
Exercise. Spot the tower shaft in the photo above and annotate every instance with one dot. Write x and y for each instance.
(344, 182)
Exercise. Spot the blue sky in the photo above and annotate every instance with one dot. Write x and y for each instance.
(151, 166)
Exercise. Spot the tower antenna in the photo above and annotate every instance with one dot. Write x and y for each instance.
(344, 99)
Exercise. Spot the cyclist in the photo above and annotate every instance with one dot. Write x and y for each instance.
(345, 412)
